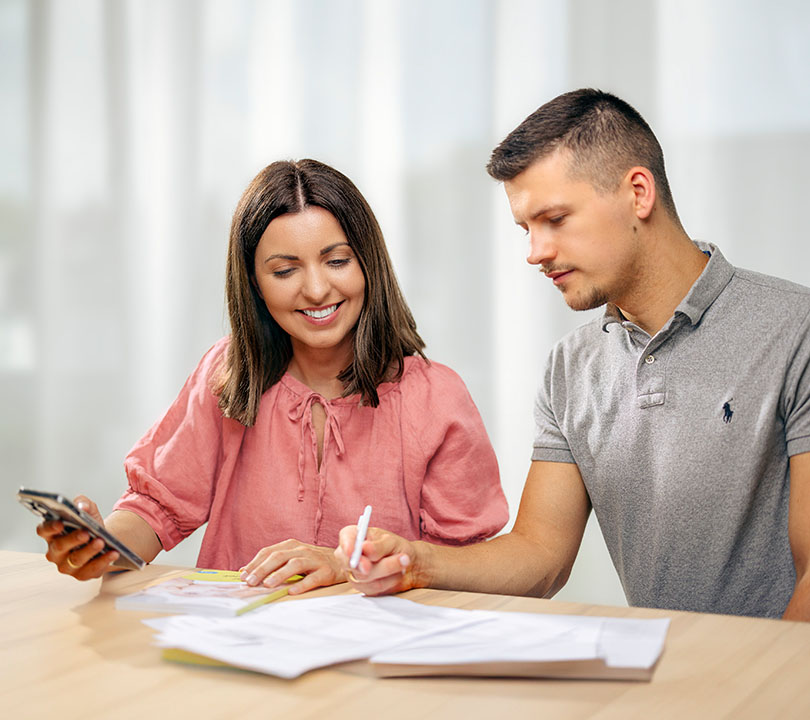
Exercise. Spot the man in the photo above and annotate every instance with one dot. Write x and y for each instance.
(682, 416)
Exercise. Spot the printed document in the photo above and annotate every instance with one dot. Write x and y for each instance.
(401, 637)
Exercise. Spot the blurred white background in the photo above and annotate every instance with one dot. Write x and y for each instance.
(129, 128)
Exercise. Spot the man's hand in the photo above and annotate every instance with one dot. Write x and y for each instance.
(388, 564)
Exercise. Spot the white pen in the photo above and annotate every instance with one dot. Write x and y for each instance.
(362, 529)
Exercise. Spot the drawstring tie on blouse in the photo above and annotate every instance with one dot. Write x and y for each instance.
(303, 412)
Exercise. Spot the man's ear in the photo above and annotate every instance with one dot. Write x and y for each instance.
(642, 182)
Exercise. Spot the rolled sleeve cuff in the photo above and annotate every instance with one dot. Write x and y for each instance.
(467, 531)
(552, 454)
(799, 445)
(158, 519)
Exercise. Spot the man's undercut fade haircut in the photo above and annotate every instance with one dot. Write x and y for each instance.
(604, 135)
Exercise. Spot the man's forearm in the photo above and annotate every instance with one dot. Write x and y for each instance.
(799, 606)
(510, 564)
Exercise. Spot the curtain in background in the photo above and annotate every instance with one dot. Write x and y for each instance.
(130, 128)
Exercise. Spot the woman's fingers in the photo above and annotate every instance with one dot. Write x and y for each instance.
(95, 567)
(50, 529)
(85, 503)
(61, 545)
(266, 561)
(319, 578)
(272, 554)
(274, 565)
(84, 561)
(77, 552)
(273, 575)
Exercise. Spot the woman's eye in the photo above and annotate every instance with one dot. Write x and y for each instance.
(282, 273)
(339, 262)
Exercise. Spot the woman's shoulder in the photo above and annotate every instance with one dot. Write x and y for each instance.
(217, 350)
(211, 364)
(430, 380)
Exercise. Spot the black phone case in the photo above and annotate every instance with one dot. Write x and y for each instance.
(52, 506)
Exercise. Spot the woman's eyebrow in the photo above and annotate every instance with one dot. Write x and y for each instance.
(331, 247)
(280, 256)
(325, 251)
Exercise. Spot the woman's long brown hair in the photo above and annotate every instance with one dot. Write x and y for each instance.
(260, 351)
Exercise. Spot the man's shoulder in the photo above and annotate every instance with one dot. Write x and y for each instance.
(769, 298)
(770, 285)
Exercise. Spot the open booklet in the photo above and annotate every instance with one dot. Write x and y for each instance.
(400, 637)
(202, 592)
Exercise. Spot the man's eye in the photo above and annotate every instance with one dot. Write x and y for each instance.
(557, 219)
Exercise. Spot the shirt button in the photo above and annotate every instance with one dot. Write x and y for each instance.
(650, 359)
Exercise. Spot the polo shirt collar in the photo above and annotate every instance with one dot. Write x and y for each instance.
(715, 276)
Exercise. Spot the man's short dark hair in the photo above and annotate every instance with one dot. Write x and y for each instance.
(604, 134)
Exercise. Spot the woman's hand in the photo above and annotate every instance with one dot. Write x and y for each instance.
(274, 564)
(75, 553)
(386, 564)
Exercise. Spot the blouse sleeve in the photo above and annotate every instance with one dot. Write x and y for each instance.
(462, 500)
(172, 469)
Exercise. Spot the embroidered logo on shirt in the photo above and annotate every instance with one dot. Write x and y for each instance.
(727, 411)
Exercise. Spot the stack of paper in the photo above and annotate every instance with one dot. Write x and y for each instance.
(292, 637)
(532, 645)
(202, 592)
(401, 637)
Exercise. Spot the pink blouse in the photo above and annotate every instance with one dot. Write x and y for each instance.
(422, 459)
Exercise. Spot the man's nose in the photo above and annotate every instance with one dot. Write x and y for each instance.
(541, 249)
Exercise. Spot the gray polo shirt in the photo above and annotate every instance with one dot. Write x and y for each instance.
(683, 439)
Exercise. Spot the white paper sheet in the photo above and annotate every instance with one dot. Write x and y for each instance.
(290, 638)
(503, 637)
(529, 637)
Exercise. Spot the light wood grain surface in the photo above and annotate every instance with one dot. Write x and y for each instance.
(65, 653)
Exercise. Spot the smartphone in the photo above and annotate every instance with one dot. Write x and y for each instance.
(52, 506)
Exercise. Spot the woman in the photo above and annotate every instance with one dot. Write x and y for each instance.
(319, 402)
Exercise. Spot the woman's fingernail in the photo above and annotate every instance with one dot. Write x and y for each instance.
(251, 580)
(404, 560)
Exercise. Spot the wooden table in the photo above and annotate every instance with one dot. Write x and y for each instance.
(65, 653)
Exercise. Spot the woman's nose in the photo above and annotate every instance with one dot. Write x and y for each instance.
(316, 286)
